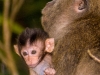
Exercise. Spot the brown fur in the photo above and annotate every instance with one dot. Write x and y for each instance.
(75, 31)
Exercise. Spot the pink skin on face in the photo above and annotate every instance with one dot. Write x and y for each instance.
(32, 53)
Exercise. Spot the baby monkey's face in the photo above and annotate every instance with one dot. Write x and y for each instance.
(32, 53)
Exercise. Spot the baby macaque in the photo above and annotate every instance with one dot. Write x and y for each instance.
(35, 47)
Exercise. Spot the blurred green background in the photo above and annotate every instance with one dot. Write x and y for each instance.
(15, 16)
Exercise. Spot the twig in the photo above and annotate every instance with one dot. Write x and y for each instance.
(15, 8)
(92, 56)
(1, 45)
(7, 39)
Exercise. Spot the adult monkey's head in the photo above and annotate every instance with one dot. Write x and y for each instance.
(58, 14)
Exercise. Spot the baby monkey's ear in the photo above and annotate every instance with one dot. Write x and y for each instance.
(49, 45)
(16, 49)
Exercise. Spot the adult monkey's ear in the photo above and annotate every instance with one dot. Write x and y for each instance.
(80, 5)
(16, 49)
(49, 45)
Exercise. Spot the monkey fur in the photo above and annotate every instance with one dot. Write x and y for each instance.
(75, 25)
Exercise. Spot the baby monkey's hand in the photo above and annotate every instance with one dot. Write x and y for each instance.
(49, 71)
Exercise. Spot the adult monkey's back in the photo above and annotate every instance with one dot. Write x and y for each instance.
(75, 25)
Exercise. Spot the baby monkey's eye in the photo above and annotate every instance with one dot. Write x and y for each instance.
(25, 53)
(33, 52)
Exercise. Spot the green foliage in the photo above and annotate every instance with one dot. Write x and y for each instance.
(2, 53)
(17, 28)
(30, 13)
(1, 19)
(28, 16)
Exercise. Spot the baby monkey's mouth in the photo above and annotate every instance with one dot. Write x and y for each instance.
(33, 65)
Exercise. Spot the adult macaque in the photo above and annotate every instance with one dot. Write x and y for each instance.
(35, 47)
(75, 25)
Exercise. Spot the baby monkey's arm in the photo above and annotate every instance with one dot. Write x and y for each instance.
(50, 70)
